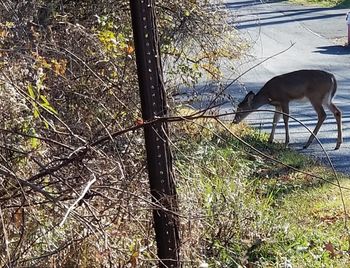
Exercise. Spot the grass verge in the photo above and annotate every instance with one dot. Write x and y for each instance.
(324, 3)
(242, 210)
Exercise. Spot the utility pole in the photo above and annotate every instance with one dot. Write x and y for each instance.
(153, 104)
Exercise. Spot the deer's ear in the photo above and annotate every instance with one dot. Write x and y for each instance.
(250, 97)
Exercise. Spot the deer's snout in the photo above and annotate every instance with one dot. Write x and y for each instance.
(237, 119)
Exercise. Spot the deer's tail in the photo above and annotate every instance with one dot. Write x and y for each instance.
(334, 86)
(328, 98)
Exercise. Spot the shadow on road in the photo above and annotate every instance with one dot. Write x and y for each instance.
(279, 16)
(254, 22)
(333, 50)
(239, 4)
(243, 3)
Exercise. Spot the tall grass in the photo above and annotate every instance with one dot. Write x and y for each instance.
(239, 209)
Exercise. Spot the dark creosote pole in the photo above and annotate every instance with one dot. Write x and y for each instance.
(153, 102)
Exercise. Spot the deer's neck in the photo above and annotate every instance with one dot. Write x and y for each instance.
(260, 99)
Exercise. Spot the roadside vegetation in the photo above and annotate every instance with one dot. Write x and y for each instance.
(68, 103)
(246, 210)
(68, 96)
(324, 3)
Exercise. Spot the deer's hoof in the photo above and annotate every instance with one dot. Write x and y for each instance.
(306, 146)
(337, 146)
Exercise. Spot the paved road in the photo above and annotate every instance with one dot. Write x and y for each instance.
(319, 35)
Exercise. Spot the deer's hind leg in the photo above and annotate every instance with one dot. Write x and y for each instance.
(321, 114)
(337, 114)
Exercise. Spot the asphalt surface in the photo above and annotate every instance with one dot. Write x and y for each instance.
(318, 36)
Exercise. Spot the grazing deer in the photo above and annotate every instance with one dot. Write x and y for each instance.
(316, 85)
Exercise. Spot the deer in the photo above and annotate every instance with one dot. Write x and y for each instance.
(318, 86)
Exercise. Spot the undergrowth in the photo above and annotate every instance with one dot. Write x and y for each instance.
(242, 210)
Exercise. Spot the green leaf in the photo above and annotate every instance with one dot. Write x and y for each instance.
(47, 106)
(31, 91)
(36, 112)
(46, 124)
(34, 143)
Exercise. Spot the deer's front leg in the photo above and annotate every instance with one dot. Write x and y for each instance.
(285, 110)
(276, 118)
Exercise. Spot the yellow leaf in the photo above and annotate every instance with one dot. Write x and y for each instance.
(3, 33)
(9, 24)
(59, 67)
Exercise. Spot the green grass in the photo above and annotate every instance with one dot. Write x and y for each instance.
(246, 210)
(324, 3)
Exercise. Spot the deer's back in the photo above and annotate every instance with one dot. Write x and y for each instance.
(299, 84)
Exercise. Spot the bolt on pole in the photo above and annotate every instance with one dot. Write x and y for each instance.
(153, 104)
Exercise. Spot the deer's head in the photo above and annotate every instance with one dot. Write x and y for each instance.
(244, 108)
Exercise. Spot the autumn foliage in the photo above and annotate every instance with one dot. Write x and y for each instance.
(68, 94)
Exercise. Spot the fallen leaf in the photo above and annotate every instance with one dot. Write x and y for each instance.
(130, 49)
(330, 248)
(18, 217)
(139, 121)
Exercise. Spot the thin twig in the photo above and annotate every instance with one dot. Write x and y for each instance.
(86, 189)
